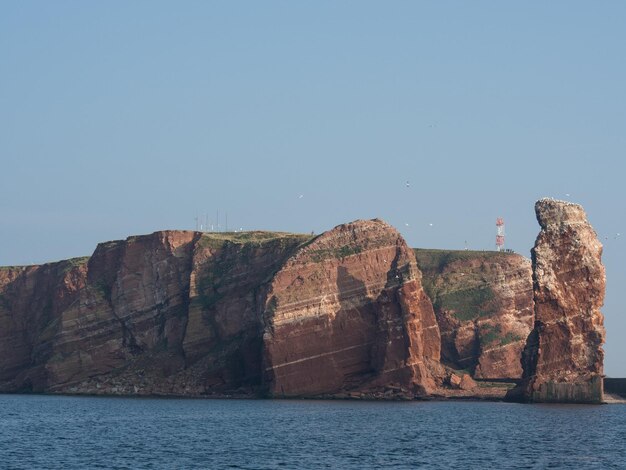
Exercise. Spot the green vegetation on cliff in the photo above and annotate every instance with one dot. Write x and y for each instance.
(467, 304)
(435, 259)
(254, 237)
(337, 253)
(469, 295)
(233, 253)
(74, 262)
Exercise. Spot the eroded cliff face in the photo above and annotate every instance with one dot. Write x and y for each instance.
(484, 307)
(343, 314)
(186, 313)
(563, 358)
(348, 313)
(167, 313)
(32, 300)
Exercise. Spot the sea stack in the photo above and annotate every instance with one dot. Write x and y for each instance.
(563, 357)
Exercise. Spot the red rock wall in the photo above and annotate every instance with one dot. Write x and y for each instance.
(167, 313)
(347, 313)
(223, 341)
(563, 358)
(185, 313)
(484, 307)
(32, 301)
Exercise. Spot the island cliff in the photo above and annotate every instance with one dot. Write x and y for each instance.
(248, 314)
(484, 307)
(169, 313)
(348, 313)
(563, 357)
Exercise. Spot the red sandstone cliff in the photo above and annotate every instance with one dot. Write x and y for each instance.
(32, 301)
(167, 313)
(342, 314)
(187, 313)
(563, 358)
(348, 313)
(484, 307)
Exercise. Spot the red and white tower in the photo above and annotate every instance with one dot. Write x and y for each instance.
(500, 234)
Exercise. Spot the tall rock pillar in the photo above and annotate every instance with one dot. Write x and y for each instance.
(563, 357)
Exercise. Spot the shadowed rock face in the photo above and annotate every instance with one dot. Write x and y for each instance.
(484, 307)
(32, 301)
(348, 312)
(563, 358)
(168, 313)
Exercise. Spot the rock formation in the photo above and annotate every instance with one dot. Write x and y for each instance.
(563, 358)
(187, 313)
(343, 314)
(169, 313)
(348, 312)
(484, 307)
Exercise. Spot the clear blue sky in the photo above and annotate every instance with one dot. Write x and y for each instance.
(121, 118)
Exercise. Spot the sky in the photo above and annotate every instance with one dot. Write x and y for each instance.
(123, 118)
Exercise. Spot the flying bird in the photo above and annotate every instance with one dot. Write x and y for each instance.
(301, 196)
(408, 185)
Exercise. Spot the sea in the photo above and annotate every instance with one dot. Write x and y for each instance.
(68, 432)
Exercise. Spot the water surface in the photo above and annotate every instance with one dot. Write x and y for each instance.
(88, 432)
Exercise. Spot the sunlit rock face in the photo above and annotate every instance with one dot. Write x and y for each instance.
(563, 357)
(348, 313)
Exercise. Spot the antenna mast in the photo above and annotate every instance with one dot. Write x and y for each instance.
(499, 234)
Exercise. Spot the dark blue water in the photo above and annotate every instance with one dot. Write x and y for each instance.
(77, 432)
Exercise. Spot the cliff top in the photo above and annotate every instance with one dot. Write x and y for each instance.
(69, 261)
(552, 212)
(433, 258)
(253, 236)
(426, 257)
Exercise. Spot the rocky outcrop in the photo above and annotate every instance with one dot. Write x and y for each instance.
(32, 300)
(484, 307)
(167, 313)
(347, 312)
(187, 313)
(563, 358)
(343, 314)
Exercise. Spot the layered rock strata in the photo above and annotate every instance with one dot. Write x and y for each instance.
(169, 313)
(563, 357)
(484, 307)
(343, 314)
(348, 312)
(187, 313)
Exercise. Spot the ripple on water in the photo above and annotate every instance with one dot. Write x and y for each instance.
(88, 432)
